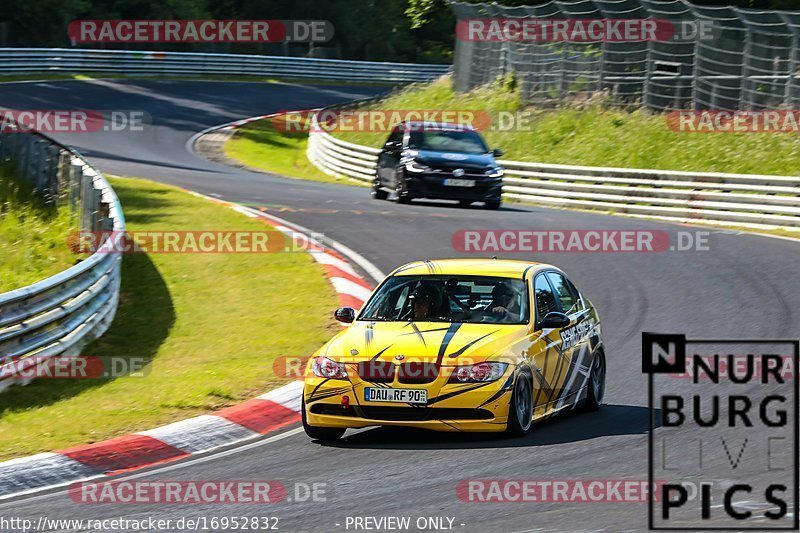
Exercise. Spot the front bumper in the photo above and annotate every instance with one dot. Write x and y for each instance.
(469, 407)
(431, 185)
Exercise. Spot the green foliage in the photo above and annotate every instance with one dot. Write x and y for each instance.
(262, 146)
(33, 236)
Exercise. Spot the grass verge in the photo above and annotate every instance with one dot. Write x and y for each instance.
(260, 145)
(208, 325)
(594, 134)
(33, 236)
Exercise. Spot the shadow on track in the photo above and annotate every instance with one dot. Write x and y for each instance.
(611, 420)
(477, 206)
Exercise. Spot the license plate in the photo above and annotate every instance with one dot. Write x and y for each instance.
(453, 182)
(377, 394)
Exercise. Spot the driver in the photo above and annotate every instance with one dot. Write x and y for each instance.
(423, 303)
(504, 304)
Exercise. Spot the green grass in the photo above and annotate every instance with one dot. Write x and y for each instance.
(33, 236)
(210, 326)
(594, 134)
(260, 145)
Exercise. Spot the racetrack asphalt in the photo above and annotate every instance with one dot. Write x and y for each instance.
(744, 286)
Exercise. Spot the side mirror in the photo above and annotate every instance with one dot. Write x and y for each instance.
(345, 314)
(497, 152)
(553, 320)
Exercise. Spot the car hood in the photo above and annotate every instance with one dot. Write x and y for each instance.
(428, 342)
(453, 159)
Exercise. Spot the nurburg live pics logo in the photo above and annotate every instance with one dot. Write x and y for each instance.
(727, 438)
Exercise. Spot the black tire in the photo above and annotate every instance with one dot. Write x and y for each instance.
(400, 194)
(464, 203)
(493, 204)
(520, 411)
(318, 433)
(597, 384)
(377, 192)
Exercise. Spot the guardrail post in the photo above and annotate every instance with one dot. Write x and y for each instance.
(75, 184)
(104, 222)
(87, 201)
(24, 156)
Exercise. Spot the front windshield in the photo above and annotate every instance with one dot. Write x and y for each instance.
(471, 299)
(464, 141)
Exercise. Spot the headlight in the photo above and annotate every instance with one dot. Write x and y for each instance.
(496, 172)
(479, 372)
(413, 166)
(322, 367)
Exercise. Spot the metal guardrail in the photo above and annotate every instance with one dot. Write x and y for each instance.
(77, 60)
(59, 315)
(746, 200)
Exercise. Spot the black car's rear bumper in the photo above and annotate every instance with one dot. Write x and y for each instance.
(432, 186)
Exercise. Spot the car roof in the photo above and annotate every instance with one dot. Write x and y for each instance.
(437, 125)
(504, 268)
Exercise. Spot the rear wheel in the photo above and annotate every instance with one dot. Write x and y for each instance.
(493, 204)
(377, 192)
(597, 384)
(318, 433)
(464, 203)
(520, 413)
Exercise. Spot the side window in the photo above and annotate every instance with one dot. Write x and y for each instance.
(567, 295)
(545, 299)
(581, 305)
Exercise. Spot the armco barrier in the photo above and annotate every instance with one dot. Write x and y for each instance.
(59, 315)
(746, 200)
(76, 60)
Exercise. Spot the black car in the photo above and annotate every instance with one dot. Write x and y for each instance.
(442, 161)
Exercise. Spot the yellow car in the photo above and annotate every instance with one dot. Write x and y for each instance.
(459, 345)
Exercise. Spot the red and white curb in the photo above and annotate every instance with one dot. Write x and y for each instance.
(201, 434)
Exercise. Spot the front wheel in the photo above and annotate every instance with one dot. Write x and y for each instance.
(493, 204)
(318, 433)
(377, 192)
(597, 384)
(520, 412)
